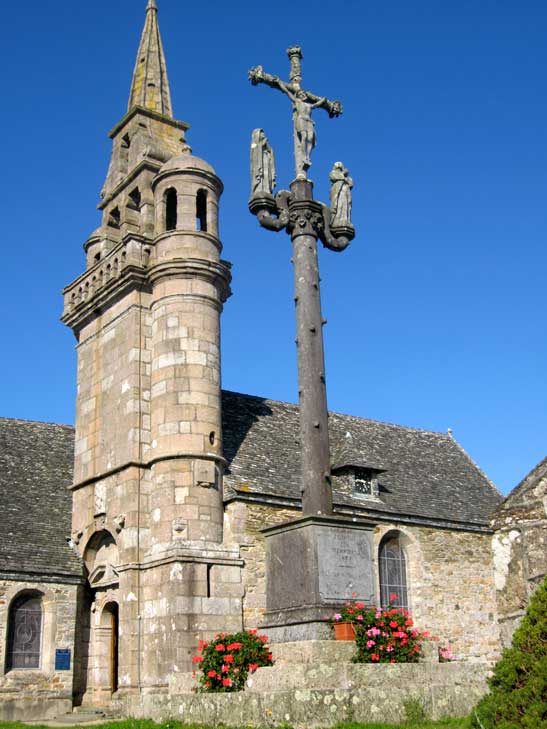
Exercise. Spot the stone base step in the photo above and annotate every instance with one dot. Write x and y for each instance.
(314, 651)
(322, 695)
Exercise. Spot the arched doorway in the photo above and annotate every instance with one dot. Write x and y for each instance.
(99, 677)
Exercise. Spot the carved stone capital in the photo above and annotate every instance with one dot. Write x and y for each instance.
(305, 219)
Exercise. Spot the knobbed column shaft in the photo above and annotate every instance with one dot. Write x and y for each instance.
(314, 435)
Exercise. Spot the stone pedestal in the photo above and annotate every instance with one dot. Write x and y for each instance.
(314, 564)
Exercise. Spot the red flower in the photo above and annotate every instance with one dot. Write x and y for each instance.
(211, 674)
(393, 596)
(393, 660)
(360, 605)
(228, 658)
(224, 668)
(393, 624)
(253, 666)
(409, 622)
(269, 657)
(197, 659)
(375, 657)
(252, 631)
(202, 645)
(263, 638)
(219, 647)
(226, 681)
(233, 647)
(207, 684)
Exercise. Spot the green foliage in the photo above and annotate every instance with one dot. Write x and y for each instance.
(171, 724)
(225, 662)
(518, 687)
(440, 724)
(414, 710)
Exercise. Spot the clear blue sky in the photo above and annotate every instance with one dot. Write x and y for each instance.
(436, 312)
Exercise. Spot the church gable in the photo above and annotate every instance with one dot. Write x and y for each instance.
(532, 490)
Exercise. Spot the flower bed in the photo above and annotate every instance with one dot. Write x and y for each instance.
(226, 661)
(382, 636)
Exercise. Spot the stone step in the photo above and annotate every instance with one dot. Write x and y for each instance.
(327, 652)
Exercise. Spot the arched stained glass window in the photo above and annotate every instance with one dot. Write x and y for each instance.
(392, 568)
(24, 633)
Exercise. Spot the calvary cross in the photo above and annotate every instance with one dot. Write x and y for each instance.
(304, 102)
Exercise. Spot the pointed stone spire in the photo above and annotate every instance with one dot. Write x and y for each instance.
(150, 87)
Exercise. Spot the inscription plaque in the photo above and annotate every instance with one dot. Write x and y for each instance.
(345, 564)
(62, 659)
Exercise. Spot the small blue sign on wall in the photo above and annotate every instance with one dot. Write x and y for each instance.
(62, 659)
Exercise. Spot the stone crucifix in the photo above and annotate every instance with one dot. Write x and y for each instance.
(306, 220)
(303, 103)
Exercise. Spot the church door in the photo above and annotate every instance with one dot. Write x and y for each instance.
(111, 616)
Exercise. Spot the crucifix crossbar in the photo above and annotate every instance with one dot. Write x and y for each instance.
(303, 102)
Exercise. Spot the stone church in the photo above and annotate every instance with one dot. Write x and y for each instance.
(146, 517)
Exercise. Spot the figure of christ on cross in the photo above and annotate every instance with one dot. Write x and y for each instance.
(303, 103)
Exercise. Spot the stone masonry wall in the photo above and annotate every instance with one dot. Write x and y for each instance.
(519, 549)
(47, 692)
(449, 574)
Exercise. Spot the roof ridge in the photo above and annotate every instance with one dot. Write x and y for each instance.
(344, 415)
(36, 422)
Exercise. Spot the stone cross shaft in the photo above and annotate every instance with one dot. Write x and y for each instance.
(315, 484)
(305, 219)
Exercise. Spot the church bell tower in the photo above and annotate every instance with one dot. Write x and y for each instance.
(147, 507)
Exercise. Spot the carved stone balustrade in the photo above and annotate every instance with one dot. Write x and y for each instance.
(123, 267)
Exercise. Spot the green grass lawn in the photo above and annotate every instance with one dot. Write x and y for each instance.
(146, 724)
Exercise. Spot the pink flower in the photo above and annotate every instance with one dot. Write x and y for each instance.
(360, 617)
(337, 616)
(370, 643)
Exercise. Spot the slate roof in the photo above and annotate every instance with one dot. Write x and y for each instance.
(427, 475)
(36, 462)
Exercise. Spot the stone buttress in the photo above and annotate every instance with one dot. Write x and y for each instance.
(148, 509)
